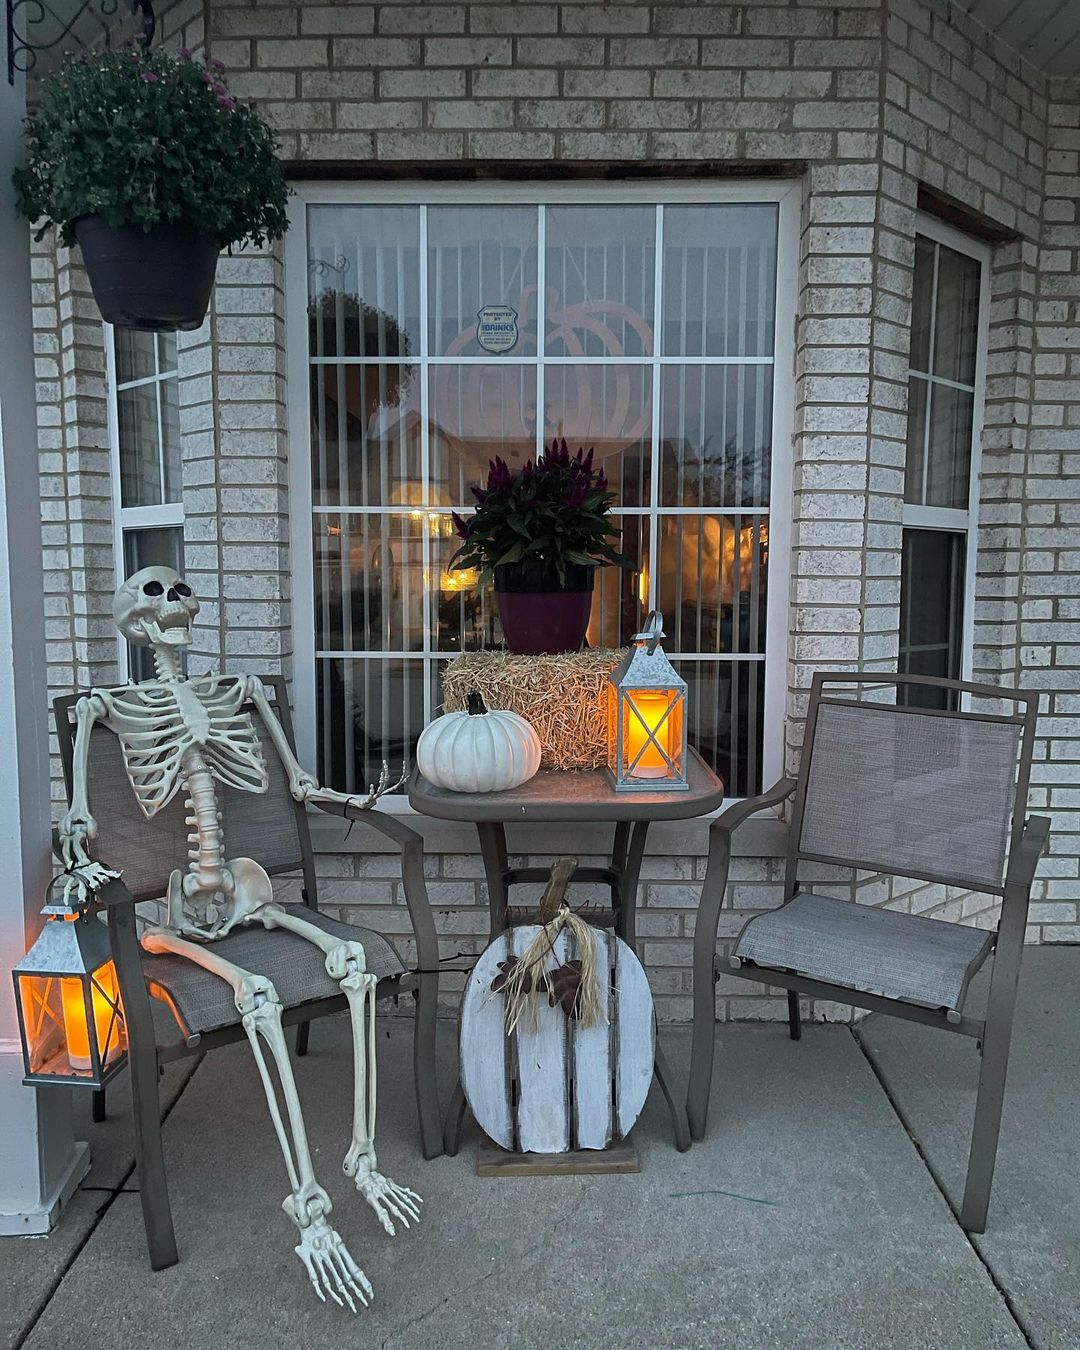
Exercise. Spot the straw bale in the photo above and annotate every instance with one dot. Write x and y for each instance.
(564, 697)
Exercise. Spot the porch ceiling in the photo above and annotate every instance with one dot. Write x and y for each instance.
(1044, 32)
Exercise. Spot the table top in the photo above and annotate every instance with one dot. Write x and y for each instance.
(568, 796)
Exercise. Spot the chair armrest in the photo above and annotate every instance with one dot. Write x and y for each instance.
(1024, 858)
(414, 884)
(716, 870)
(729, 820)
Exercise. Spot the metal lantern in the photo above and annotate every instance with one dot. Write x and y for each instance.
(70, 1016)
(647, 717)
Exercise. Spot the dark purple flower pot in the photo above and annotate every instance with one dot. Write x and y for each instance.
(539, 622)
(158, 279)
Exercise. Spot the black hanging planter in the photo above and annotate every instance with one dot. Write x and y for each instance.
(158, 279)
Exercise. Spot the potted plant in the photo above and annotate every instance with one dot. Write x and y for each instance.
(539, 534)
(148, 161)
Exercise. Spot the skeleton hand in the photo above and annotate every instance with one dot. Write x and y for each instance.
(76, 826)
(389, 1200)
(330, 1267)
(84, 880)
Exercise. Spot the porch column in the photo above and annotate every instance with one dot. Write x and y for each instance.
(40, 1162)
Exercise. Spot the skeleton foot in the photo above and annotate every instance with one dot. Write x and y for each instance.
(329, 1265)
(389, 1200)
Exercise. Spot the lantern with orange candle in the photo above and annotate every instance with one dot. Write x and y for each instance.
(71, 1019)
(647, 717)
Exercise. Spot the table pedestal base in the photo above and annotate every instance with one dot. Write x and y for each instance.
(493, 1161)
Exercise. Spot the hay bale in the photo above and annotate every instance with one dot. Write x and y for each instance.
(564, 697)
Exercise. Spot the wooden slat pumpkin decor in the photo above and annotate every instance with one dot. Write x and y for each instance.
(557, 1034)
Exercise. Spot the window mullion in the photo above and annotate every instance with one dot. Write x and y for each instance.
(930, 370)
(654, 447)
(430, 578)
(541, 311)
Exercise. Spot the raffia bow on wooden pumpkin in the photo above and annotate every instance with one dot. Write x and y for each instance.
(573, 985)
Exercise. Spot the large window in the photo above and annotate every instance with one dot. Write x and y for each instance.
(435, 331)
(941, 496)
(144, 423)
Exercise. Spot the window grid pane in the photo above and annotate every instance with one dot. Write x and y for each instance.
(941, 377)
(689, 426)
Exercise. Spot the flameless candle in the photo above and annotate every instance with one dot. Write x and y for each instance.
(77, 1033)
(645, 755)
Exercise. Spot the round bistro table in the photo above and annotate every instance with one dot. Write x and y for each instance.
(558, 798)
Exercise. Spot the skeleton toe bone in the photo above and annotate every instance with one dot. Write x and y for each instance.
(329, 1263)
(390, 1201)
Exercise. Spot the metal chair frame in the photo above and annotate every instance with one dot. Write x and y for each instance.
(146, 1056)
(1028, 841)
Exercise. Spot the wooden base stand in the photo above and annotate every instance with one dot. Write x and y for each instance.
(493, 1161)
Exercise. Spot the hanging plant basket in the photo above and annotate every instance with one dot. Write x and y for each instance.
(149, 163)
(159, 279)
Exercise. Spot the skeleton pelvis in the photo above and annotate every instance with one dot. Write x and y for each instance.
(213, 912)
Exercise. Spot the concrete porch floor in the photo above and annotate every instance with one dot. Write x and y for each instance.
(810, 1218)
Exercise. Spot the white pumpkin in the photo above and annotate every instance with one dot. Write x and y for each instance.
(478, 750)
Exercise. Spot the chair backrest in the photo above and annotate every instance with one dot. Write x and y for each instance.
(915, 792)
(269, 827)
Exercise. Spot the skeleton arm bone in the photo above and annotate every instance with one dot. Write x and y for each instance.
(330, 1267)
(302, 785)
(346, 963)
(77, 825)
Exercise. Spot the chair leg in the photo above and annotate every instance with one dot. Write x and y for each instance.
(794, 1016)
(150, 1164)
(303, 1031)
(97, 1106)
(984, 1137)
(455, 1118)
(424, 1076)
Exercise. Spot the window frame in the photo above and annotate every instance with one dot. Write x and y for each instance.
(960, 520)
(785, 194)
(165, 515)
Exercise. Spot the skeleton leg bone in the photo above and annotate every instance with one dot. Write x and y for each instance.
(329, 1265)
(345, 962)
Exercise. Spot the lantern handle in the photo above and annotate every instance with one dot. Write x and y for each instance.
(651, 631)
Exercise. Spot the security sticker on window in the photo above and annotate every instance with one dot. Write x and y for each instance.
(496, 328)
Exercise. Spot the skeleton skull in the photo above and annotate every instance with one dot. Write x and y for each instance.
(155, 606)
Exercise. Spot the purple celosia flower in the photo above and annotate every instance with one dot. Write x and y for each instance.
(184, 53)
(225, 101)
(206, 77)
(215, 64)
(148, 77)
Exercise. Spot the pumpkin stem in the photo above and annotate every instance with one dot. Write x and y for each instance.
(555, 892)
(474, 703)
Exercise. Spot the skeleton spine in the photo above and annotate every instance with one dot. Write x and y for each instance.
(207, 851)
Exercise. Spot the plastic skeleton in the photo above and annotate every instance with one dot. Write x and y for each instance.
(187, 735)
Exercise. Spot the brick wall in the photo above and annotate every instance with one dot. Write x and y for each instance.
(862, 101)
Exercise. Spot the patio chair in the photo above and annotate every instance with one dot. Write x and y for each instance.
(273, 829)
(902, 791)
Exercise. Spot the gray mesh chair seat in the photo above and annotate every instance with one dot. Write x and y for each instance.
(877, 951)
(202, 1002)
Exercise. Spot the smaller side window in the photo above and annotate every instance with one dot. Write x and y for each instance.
(148, 508)
(941, 487)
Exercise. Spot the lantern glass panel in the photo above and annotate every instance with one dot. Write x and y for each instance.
(43, 1024)
(73, 1025)
(652, 733)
